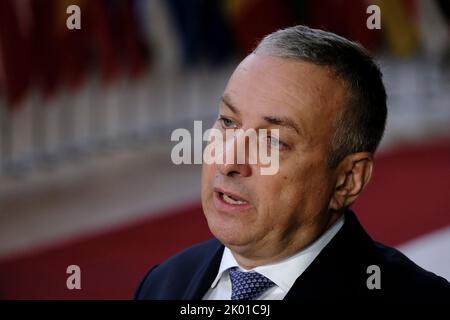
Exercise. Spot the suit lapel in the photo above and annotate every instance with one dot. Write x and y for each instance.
(202, 279)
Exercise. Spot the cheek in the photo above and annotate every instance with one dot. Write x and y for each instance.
(299, 190)
(280, 196)
(208, 173)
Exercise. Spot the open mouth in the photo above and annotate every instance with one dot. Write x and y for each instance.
(231, 199)
(228, 202)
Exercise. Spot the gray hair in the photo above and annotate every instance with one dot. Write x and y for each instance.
(360, 126)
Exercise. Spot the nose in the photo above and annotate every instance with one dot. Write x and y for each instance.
(230, 166)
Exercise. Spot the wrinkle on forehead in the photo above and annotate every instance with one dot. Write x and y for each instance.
(298, 81)
(310, 93)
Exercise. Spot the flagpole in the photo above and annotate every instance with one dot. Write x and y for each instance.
(128, 113)
(6, 138)
(96, 125)
(68, 124)
(38, 127)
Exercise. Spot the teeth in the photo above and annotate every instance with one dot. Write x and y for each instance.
(230, 200)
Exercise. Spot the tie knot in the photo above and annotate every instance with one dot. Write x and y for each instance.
(248, 285)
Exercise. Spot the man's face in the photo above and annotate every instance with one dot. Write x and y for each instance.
(276, 215)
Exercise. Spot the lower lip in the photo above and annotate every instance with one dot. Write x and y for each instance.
(221, 205)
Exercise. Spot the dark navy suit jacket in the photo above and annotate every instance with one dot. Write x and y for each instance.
(340, 270)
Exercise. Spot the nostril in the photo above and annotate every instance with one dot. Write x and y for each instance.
(233, 173)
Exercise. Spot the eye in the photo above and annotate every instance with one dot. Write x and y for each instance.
(276, 143)
(226, 123)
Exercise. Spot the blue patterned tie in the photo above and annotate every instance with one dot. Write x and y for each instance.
(248, 285)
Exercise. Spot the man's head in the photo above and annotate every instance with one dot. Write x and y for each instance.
(326, 97)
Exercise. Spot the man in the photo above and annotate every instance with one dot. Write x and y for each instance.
(292, 235)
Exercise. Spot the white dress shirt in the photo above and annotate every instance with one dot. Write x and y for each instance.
(283, 273)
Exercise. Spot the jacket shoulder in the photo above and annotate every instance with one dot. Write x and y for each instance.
(402, 278)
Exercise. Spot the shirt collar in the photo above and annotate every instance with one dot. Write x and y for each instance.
(285, 272)
(228, 262)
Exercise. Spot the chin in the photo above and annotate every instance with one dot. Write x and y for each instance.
(230, 233)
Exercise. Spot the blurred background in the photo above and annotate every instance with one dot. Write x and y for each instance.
(86, 116)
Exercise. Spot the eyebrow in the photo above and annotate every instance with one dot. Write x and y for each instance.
(279, 121)
(227, 101)
(283, 122)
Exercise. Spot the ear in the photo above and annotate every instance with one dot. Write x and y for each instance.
(353, 174)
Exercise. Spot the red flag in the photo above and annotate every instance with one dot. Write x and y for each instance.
(47, 58)
(73, 45)
(254, 19)
(14, 43)
(134, 48)
(102, 40)
(346, 18)
(125, 37)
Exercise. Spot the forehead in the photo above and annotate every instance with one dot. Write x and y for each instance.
(273, 86)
